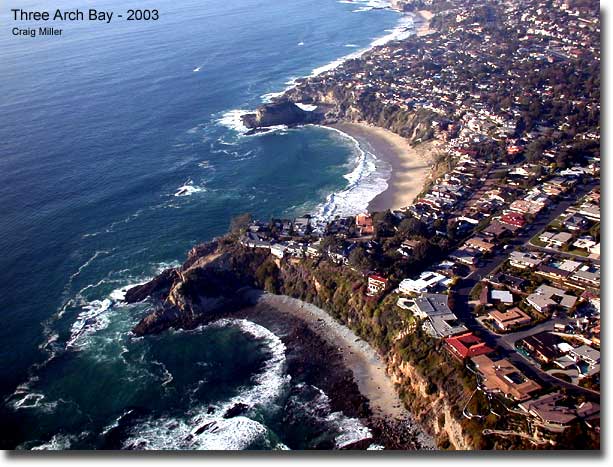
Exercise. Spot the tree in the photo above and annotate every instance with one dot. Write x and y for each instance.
(359, 259)
(534, 150)
(240, 223)
(328, 243)
(384, 223)
(412, 226)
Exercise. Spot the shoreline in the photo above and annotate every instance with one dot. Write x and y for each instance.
(424, 28)
(410, 165)
(366, 365)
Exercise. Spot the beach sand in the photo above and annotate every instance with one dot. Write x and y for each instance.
(367, 366)
(389, 417)
(410, 165)
(424, 17)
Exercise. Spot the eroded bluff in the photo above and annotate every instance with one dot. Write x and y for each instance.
(200, 290)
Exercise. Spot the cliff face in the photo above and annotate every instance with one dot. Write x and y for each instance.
(344, 105)
(209, 283)
(198, 291)
(434, 410)
(283, 112)
(435, 402)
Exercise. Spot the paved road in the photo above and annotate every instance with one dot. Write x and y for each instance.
(505, 343)
(561, 253)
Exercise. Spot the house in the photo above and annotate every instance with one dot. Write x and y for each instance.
(551, 410)
(253, 240)
(514, 283)
(278, 250)
(523, 260)
(584, 243)
(506, 320)
(546, 297)
(302, 225)
(556, 239)
(364, 224)
(426, 282)
(480, 244)
(434, 308)
(502, 296)
(466, 346)
(523, 206)
(376, 285)
(552, 271)
(595, 251)
(542, 347)
(576, 222)
(503, 377)
(497, 229)
(560, 239)
(407, 247)
(587, 354)
(591, 211)
(515, 219)
(313, 250)
(587, 276)
(465, 255)
(295, 249)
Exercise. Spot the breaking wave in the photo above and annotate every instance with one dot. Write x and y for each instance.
(188, 189)
(366, 180)
(207, 429)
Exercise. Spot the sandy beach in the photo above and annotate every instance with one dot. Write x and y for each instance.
(424, 17)
(410, 166)
(368, 368)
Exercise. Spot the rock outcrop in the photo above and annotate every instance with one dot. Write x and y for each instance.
(206, 285)
(282, 112)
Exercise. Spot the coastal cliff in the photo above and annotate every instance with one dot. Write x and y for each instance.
(208, 285)
(344, 105)
(200, 290)
(281, 112)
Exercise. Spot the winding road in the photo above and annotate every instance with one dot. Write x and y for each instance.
(505, 343)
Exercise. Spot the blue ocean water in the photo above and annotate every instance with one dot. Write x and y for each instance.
(118, 152)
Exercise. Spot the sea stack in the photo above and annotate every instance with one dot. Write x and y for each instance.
(281, 112)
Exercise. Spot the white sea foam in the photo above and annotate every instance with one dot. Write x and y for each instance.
(404, 28)
(94, 315)
(351, 46)
(349, 430)
(85, 265)
(188, 189)
(58, 442)
(366, 180)
(236, 433)
(370, 4)
(289, 84)
(306, 107)
(203, 430)
(206, 165)
(233, 120)
(116, 422)
(88, 321)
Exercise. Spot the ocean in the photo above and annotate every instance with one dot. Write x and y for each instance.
(121, 148)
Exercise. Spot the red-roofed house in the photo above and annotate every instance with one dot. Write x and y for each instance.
(364, 224)
(514, 149)
(466, 346)
(376, 285)
(514, 218)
